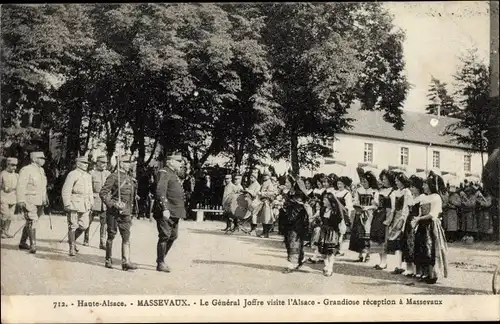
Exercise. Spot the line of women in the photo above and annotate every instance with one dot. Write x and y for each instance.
(401, 218)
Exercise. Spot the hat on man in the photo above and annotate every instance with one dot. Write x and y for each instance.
(102, 158)
(238, 176)
(82, 159)
(125, 158)
(175, 156)
(228, 177)
(11, 160)
(37, 155)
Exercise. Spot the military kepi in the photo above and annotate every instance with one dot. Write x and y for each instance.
(125, 158)
(176, 156)
(102, 158)
(82, 160)
(37, 155)
(11, 160)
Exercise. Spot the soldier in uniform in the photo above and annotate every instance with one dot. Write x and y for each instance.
(169, 207)
(99, 176)
(8, 183)
(77, 199)
(118, 193)
(31, 193)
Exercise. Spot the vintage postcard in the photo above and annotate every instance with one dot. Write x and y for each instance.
(234, 162)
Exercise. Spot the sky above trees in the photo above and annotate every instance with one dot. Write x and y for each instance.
(437, 35)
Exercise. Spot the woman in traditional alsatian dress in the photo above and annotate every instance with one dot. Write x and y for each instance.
(382, 217)
(365, 202)
(408, 238)
(430, 242)
(403, 198)
(331, 216)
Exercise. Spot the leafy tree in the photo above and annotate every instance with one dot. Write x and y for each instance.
(440, 100)
(324, 56)
(478, 115)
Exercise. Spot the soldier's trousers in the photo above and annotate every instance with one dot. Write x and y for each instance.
(77, 220)
(167, 234)
(102, 230)
(31, 214)
(117, 222)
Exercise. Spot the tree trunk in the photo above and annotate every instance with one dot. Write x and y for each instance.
(73, 139)
(294, 153)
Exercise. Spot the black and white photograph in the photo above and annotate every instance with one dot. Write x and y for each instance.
(249, 161)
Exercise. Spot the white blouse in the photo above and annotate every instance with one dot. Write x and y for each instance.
(436, 204)
(346, 194)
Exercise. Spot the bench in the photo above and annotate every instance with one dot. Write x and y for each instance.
(200, 213)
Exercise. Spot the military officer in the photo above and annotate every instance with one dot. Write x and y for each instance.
(78, 198)
(118, 194)
(99, 176)
(31, 193)
(169, 207)
(8, 183)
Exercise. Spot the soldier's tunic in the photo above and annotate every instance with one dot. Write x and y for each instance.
(78, 197)
(253, 201)
(268, 192)
(119, 219)
(32, 190)
(99, 207)
(169, 196)
(229, 190)
(8, 200)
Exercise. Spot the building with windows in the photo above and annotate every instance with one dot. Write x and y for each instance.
(375, 144)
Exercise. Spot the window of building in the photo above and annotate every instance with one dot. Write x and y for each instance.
(405, 155)
(467, 162)
(368, 154)
(436, 159)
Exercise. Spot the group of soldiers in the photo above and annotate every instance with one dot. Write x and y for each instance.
(111, 197)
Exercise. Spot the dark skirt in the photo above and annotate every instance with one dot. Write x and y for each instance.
(329, 240)
(294, 246)
(408, 242)
(359, 240)
(425, 252)
(378, 229)
(395, 233)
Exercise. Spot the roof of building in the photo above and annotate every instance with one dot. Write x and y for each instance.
(417, 128)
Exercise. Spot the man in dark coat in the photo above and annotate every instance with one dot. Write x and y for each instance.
(169, 207)
(118, 193)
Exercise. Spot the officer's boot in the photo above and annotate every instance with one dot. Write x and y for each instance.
(24, 237)
(78, 232)
(253, 230)
(266, 229)
(102, 236)
(109, 249)
(6, 229)
(161, 249)
(2, 228)
(86, 236)
(126, 263)
(32, 236)
(71, 241)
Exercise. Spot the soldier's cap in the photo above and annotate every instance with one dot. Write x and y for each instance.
(228, 176)
(125, 158)
(102, 158)
(37, 155)
(82, 160)
(11, 160)
(238, 176)
(175, 156)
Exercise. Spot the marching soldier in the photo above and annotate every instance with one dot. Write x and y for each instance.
(8, 183)
(78, 199)
(31, 193)
(99, 176)
(169, 208)
(118, 194)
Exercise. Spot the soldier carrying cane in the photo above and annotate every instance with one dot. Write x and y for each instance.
(78, 199)
(118, 193)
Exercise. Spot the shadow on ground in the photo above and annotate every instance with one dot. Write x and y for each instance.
(62, 255)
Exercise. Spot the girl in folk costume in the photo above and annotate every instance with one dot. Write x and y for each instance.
(484, 221)
(382, 217)
(314, 221)
(329, 243)
(295, 223)
(430, 243)
(267, 193)
(451, 206)
(365, 202)
(344, 196)
(402, 200)
(468, 217)
(253, 200)
(408, 237)
(332, 183)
